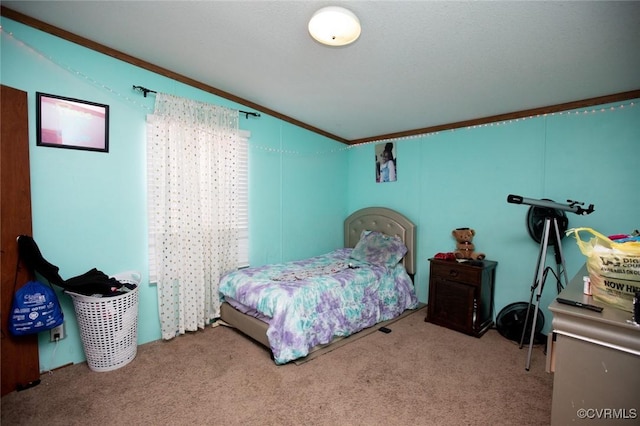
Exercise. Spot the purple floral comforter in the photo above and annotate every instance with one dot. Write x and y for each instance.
(311, 301)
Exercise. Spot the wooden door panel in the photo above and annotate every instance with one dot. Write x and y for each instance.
(20, 361)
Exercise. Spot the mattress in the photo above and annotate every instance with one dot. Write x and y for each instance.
(310, 302)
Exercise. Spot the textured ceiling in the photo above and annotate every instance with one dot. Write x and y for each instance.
(416, 65)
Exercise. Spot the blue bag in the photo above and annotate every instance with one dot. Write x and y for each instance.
(35, 308)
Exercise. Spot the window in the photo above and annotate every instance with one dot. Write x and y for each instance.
(243, 199)
(242, 219)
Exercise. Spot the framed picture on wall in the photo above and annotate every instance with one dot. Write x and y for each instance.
(71, 123)
(386, 162)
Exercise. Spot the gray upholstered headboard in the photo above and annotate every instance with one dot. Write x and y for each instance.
(384, 220)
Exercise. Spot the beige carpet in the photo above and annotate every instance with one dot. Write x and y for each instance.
(337, 343)
(419, 374)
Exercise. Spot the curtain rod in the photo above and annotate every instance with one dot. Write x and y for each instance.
(144, 91)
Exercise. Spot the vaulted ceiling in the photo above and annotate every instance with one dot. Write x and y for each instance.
(418, 65)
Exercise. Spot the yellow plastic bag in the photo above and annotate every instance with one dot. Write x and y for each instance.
(614, 268)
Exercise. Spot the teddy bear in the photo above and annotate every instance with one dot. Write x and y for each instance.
(464, 246)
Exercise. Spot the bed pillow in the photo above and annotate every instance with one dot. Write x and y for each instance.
(379, 249)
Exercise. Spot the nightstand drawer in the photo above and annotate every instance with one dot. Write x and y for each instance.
(457, 272)
(461, 295)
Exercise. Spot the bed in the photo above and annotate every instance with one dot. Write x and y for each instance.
(297, 307)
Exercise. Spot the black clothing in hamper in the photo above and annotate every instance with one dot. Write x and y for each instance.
(91, 283)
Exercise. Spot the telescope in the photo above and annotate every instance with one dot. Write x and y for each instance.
(552, 212)
(573, 206)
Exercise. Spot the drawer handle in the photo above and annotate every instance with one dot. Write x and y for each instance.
(453, 273)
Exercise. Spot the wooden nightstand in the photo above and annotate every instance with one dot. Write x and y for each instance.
(461, 295)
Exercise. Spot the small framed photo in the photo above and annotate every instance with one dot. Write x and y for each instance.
(71, 123)
(386, 162)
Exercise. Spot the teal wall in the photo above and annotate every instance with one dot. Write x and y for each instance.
(462, 178)
(89, 209)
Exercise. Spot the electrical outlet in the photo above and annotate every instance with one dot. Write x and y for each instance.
(57, 333)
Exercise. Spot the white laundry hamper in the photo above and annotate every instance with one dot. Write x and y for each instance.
(109, 325)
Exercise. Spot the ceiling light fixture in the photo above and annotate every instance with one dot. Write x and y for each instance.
(334, 26)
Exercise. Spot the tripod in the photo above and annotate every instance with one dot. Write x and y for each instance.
(541, 277)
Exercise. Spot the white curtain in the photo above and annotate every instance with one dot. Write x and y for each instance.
(192, 200)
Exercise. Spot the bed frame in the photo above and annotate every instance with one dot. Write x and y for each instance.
(388, 222)
(379, 219)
